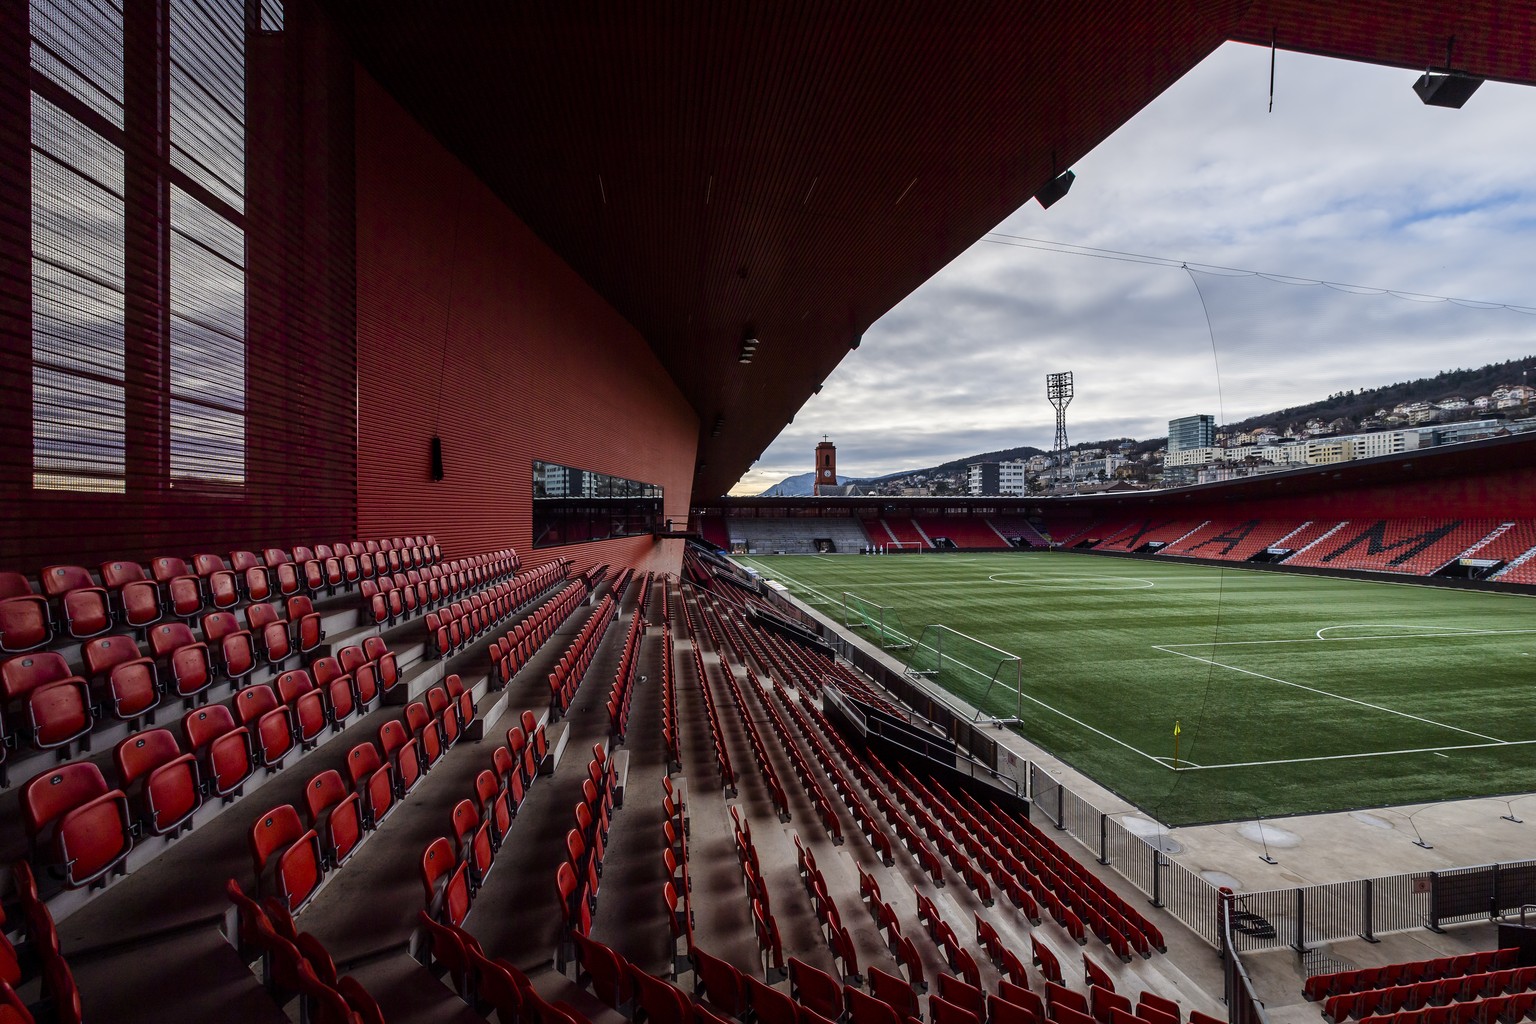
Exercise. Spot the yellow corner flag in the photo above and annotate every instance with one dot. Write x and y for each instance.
(1176, 731)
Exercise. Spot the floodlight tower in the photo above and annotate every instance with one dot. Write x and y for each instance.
(1058, 388)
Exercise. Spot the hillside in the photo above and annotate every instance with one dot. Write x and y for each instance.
(1355, 405)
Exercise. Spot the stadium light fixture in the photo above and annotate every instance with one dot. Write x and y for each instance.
(1055, 189)
(1058, 186)
(1446, 87)
(749, 343)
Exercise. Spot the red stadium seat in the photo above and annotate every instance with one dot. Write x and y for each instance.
(223, 747)
(172, 786)
(279, 836)
(336, 814)
(132, 684)
(190, 666)
(57, 702)
(272, 726)
(86, 609)
(25, 624)
(85, 827)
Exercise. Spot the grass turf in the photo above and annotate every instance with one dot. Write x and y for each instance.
(1293, 693)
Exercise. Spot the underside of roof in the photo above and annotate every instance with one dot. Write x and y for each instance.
(791, 171)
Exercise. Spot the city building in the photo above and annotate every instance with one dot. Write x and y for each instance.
(1191, 432)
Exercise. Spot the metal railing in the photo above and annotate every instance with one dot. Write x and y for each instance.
(1243, 1005)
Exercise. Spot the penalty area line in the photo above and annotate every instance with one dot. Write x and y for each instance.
(1326, 693)
(1348, 757)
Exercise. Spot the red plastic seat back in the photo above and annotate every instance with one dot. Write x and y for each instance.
(105, 653)
(143, 752)
(273, 833)
(21, 675)
(49, 796)
(255, 701)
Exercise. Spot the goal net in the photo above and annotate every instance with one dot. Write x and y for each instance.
(882, 621)
(989, 679)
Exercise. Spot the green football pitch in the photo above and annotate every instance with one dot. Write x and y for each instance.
(1291, 693)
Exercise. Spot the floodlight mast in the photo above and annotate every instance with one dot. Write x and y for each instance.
(1058, 388)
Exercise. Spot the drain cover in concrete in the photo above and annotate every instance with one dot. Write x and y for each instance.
(1154, 834)
(1367, 818)
(1278, 838)
(1221, 878)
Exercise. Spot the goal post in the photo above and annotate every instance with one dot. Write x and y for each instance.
(989, 679)
(883, 621)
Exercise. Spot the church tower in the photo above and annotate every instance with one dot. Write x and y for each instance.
(826, 468)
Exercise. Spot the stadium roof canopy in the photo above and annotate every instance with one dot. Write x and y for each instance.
(792, 170)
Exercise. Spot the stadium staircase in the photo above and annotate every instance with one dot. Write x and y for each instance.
(1233, 540)
(907, 533)
(1020, 527)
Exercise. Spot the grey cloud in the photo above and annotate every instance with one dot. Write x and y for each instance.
(1351, 179)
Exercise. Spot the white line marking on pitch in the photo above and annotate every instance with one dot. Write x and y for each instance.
(1326, 693)
(1432, 630)
(1346, 639)
(1373, 753)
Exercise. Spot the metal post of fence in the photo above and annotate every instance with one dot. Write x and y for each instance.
(1494, 900)
(1368, 933)
(1157, 878)
(1061, 814)
(1434, 912)
(1300, 944)
(1103, 839)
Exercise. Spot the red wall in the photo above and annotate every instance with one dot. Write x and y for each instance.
(300, 452)
(535, 365)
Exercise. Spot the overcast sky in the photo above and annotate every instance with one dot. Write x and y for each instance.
(1351, 179)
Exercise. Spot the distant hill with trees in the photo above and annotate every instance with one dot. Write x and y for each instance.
(1358, 404)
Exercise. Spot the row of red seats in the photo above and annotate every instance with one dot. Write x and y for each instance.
(760, 755)
(886, 921)
(132, 598)
(118, 680)
(623, 689)
(510, 652)
(869, 826)
(669, 723)
(930, 826)
(1495, 1010)
(491, 983)
(1320, 986)
(38, 957)
(452, 628)
(839, 940)
(393, 598)
(88, 830)
(1063, 885)
(1417, 995)
(579, 876)
(452, 871)
(677, 890)
(409, 747)
(296, 964)
(566, 676)
(810, 779)
(644, 604)
(717, 737)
